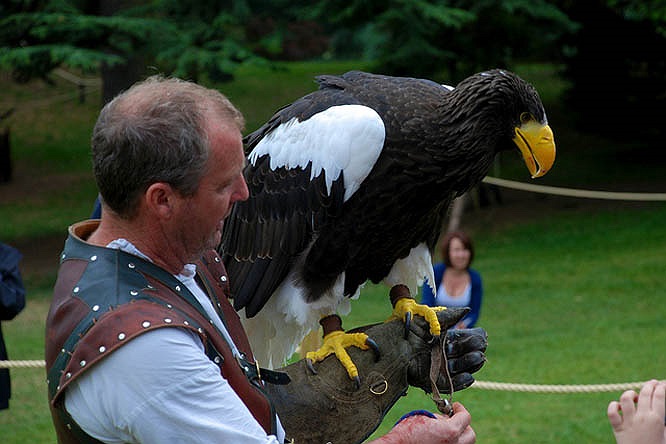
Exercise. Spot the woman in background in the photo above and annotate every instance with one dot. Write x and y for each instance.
(456, 284)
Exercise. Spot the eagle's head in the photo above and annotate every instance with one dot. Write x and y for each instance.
(512, 107)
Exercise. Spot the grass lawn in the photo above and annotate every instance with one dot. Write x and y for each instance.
(573, 288)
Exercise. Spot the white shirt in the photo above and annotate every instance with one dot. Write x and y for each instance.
(161, 388)
(443, 298)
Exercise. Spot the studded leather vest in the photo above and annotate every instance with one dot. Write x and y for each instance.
(87, 322)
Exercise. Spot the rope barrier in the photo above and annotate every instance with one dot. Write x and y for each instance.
(23, 364)
(482, 385)
(66, 75)
(556, 388)
(574, 192)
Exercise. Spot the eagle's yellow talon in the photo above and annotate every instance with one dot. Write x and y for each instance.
(336, 343)
(408, 305)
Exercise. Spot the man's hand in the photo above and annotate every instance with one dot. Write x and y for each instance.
(432, 429)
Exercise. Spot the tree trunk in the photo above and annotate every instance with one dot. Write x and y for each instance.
(118, 78)
(5, 157)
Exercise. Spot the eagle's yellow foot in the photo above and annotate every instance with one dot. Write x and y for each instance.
(336, 341)
(405, 307)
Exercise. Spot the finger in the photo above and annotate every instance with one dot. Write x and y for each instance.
(628, 404)
(468, 436)
(644, 402)
(613, 413)
(461, 418)
(659, 398)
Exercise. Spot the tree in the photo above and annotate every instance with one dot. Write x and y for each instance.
(445, 38)
(186, 38)
(617, 69)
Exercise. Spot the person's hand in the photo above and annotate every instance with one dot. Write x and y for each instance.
(432, 428)
(639, 418)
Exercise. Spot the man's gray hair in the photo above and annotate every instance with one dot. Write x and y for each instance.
(156, 131)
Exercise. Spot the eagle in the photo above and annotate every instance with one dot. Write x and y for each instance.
(352, 182)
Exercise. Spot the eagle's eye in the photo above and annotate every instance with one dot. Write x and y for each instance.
(526, 117)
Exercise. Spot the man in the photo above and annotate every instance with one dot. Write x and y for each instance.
(168, 160)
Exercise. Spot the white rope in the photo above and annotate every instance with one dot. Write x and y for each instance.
(574, 192)
(483, 385)
(556, 388)
(76, 79)
(23, 364)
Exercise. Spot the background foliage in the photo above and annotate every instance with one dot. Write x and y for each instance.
(573, 287)
(611, 50)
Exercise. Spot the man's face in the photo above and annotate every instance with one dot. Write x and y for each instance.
(221, 186)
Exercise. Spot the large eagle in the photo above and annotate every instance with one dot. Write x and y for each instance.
(352, 182)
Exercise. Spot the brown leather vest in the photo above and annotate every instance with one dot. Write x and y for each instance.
(87, 322)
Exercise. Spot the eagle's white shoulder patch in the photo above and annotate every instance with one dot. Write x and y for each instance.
(345, 138)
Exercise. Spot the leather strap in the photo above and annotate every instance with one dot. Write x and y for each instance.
(437, 359)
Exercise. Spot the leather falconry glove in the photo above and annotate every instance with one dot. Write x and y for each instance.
(329, 407)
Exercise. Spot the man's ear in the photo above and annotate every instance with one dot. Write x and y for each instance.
(160, 199)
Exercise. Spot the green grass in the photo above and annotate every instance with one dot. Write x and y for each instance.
(573, 288)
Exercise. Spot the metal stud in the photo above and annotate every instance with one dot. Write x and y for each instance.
(169, 306)
(102, 349)
(134, 292)
(200, 330)
(93, 258)
(217, 259)
(131, 265)
(223, 278)
(167, 320)
(95, 308)
(68, 375)
(145, 324)
(211, 321)
(76, 289)
(177, 287)
(216, 359)
(121, 336)
(186, 323)
(82, 363)
(63, 256)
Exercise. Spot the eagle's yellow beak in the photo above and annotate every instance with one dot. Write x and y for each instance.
(537, 145)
